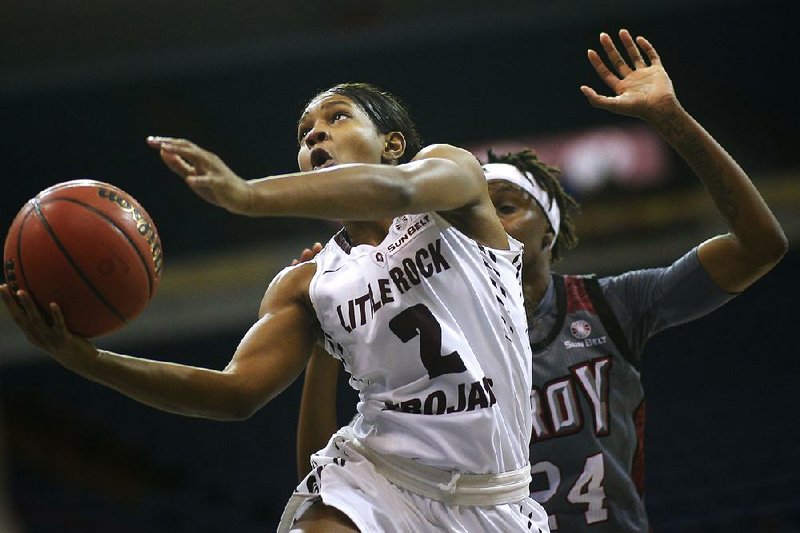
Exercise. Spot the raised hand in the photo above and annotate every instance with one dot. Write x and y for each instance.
(641, 90)
(204, 172)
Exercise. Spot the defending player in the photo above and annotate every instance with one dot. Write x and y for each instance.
(587, 334)
(431, 361)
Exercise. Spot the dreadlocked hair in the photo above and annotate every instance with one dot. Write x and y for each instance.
(547, 178)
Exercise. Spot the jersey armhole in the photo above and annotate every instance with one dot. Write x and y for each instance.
(609, 320)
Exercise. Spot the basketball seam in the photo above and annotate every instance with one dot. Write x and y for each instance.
(118, 228)
(72, 262)
(30, 291)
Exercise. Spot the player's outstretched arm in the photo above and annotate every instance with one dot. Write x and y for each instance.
(270, 356)
(440, 178)
(643, 89)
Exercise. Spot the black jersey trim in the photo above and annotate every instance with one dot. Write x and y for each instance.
(609, 319)
(561, 307)
(343, 240)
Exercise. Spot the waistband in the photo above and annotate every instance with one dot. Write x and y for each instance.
(452, 488)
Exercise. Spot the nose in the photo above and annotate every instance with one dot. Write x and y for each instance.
(316, 135)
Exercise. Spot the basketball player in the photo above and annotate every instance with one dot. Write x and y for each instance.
(587, 334)
(432, 363)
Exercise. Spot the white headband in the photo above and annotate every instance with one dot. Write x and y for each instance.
(526, 182)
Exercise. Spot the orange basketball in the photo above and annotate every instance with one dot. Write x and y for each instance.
(91, 248)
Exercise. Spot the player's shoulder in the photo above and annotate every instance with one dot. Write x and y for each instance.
(294, 274)
(448, 151)
(290, 285)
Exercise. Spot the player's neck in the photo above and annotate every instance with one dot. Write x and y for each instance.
(371, 232)
(535, 279)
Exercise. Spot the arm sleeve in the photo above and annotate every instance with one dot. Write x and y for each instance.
(651, 300)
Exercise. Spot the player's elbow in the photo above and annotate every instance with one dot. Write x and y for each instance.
(772, 248)
(238, 404)
(756, 260)
(780, 246)
(242, 415)
(239, 410)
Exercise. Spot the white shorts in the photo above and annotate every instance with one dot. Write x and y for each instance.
(343, 478)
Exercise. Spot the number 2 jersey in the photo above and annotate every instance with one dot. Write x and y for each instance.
(431, 327)
(587, 455)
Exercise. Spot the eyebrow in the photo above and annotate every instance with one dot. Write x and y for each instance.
(325, 105)
(506, 186)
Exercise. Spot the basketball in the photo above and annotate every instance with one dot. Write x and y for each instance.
(91, 248)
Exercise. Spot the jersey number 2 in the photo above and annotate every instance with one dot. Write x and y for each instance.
(418, 320)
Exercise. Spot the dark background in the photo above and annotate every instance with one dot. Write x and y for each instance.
(83, 84)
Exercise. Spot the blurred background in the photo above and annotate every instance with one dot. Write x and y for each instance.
(83, 83)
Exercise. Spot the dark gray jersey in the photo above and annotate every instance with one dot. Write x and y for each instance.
(588, 403)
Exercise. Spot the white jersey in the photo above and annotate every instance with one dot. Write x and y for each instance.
(431, 327)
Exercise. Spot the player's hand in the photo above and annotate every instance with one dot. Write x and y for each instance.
(204, 172)
(51, 335)
(641, 90)
(308, 253)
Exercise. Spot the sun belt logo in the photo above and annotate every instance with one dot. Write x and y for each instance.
(411, 227)
(580, 329)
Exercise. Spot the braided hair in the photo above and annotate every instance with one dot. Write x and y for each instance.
(547, 178)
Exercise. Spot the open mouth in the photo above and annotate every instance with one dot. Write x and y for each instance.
(320, 158)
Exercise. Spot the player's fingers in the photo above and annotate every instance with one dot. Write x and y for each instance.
(202, 182)
(315, 249)
(190, 152)
(588, 92)
(632, 50)
(5, 292)
(159, 143)
(596, 100)
(156, 141)
(608, 77)
(153, 142)
(14, 307)
(305, 255)
(177, 164)
(59, 324)
(310, 253)
(33, 319)
(614, 57)
(28, 304)
(649, 49)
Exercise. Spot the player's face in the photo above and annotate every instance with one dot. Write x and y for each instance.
(334, 130)
(520, 215)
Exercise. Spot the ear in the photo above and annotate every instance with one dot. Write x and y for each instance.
(394, 146)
